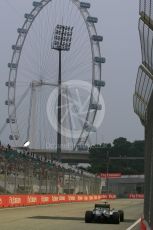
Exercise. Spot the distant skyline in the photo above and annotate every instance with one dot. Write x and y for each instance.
(118, 24)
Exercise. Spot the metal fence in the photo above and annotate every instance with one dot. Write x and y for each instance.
(22, 172)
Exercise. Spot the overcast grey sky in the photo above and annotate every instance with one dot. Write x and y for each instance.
(118, 21)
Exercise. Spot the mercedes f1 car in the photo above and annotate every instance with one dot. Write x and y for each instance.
(102, 213)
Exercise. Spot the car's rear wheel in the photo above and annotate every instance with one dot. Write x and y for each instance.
(88, 217)
(121, 213)
(116, 218)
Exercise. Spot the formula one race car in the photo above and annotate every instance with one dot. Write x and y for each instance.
(103, 214)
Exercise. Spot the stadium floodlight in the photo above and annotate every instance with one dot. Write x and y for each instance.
(61, 41)
(62, 38)
(26, 144)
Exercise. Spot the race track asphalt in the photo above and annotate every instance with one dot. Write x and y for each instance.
(66, 216)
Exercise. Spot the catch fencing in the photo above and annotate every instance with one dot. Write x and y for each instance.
(26, 173)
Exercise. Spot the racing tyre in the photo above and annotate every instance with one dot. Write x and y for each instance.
(88, 217)
(121, 213)
(116, 218)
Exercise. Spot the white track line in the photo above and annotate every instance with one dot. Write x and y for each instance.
(133, 225)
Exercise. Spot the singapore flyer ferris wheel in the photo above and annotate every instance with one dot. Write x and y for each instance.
(57, 44)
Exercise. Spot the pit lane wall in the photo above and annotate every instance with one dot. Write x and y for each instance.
(7, 201)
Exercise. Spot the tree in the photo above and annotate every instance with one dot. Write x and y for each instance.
(120, 148)
(98, 157)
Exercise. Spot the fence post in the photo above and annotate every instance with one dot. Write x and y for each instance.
(5, 179)
(15, 179)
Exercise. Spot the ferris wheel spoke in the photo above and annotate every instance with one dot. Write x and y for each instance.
(29, 116)
(43, 55)
(78, 31)
(68, 9)
(30, 57)
(28, 73)
(22, 97)
(76, 110)
(49, 134)
(70, 120)
(23, 125)
(78, 51)
(35, 76)
(43, 118)
(77, 64)
(46, 69)
(40, 39)
(42, 45)
(76, 73)
(48, 42)
(80, 44)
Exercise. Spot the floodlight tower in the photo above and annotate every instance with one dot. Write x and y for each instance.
(61, 42)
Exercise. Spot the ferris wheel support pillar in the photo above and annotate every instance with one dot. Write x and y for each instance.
(59, 106)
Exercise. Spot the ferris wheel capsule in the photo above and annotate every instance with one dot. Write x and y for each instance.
(85, 5)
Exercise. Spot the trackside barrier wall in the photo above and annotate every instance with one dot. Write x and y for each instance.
(136, 196)
(29, 200)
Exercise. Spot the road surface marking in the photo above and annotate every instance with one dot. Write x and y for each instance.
(133, 225)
